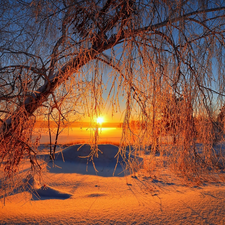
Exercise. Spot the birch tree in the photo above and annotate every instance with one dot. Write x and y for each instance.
(149, 47)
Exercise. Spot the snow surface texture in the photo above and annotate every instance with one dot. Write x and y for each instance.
(75, 194)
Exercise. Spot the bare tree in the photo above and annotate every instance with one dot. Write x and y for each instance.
(150, 46)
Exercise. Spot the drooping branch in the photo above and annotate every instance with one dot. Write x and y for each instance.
(56, 79)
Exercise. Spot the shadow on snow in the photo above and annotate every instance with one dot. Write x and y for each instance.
(74, 160)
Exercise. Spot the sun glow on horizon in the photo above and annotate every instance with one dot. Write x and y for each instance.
(100, 120)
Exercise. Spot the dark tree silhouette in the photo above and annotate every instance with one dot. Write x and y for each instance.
(150, 46)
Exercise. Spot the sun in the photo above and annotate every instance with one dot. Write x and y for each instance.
(100, 120)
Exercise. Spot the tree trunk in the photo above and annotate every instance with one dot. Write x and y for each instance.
(41, 95)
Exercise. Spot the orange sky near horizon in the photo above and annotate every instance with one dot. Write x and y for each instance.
(75, 132)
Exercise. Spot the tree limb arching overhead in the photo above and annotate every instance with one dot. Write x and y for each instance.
(103, 26)
(159, 52)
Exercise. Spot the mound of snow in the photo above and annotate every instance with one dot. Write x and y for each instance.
(74, 159)
(77, 153)
(43, 192)
(47, 192)
(38, 192)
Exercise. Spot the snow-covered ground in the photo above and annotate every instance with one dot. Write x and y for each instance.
(73, 192)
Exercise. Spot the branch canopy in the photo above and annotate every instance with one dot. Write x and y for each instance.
(149, 52)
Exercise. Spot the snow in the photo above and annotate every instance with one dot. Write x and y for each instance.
(73, 192)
